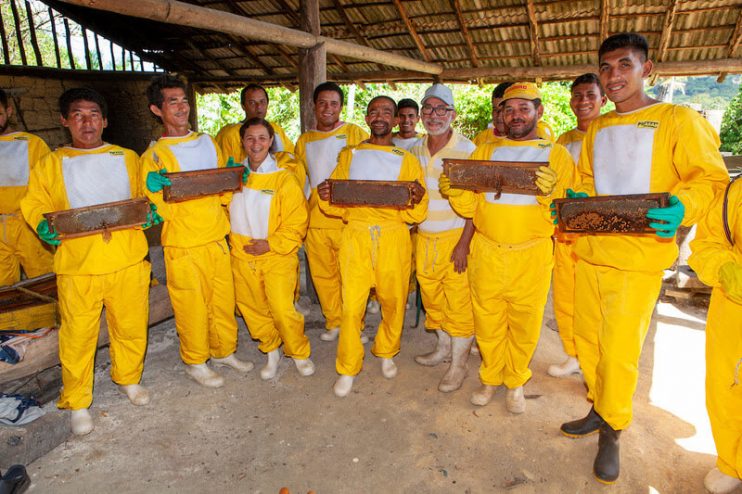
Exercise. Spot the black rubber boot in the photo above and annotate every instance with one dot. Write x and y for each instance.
(15, 480)
(606, 466)
(584, 426)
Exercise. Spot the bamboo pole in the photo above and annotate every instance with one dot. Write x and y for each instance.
(184, 14)
(32, 33)
(68, 36)
(19, 36)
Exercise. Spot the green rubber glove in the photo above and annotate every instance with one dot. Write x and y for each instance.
(231, 164)
(671, 217)
(45, 233)
(730, 279)
(152, 217)
(157, 180)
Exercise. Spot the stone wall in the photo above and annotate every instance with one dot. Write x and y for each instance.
(130, 123)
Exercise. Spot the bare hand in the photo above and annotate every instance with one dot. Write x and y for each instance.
(323, 190)
(459, 256)
(418, 192)
(257, 247)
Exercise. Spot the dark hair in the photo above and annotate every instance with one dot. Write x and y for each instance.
(588, 78)
(328, 86)
(408, 103)
(3, 99)
(376, 98)
(81, 94)
(165, 81)
(499, 90)
(253, 87)
(256, 121)
(635, 41)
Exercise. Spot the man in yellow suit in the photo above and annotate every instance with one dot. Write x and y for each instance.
(254, 100)
(197, 264)
(19, 245)
(587, 99)
(443, 241)
(643, 146)
(93, 271)
(717, 259)
(409, 116)
(511, 256)
(375, 244)
(318, 150)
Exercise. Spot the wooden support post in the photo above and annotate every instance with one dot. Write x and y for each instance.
(193, 116)
(68, 36)
(18, 34)
(123, 59)
(4, 40)
(32, 34)
(53, 24)
(86, 47)
(97, 52)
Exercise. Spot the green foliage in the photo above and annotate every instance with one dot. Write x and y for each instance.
(703, 90)
(731, 126)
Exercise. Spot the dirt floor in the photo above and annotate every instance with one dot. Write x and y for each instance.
(388, 436)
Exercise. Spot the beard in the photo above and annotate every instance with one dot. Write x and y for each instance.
(445, 126)
(522, 131)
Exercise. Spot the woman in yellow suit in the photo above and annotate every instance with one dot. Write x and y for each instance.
(269, 220)
(717, 259)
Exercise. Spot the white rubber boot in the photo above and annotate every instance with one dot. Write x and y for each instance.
(343, 385)
(515, 400)
(717, 482)
(373, 307)
(330, 334)
(271, 367)
(304, 366)
(441, 353)
(483, 395)
(82, 422)
(233, 362)
(567, 368)
(138, 395)
(388, 368)
(454, 378)
(203, 375)
(475, 348)
(301, 309)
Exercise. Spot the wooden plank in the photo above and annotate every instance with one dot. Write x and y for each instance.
(32, 34)
(604, 19)
(622, 214)
(97, 51)
(53, 24)
(511, 177)
(465, 33)
(312, 65)
(113, 56)
(29, 293)
(533, 30)
(371, 193)
(192, 185)
(101, 218)
(18, 33)
(86, 48)
(68, 38)
(4, 40)
(667, 24)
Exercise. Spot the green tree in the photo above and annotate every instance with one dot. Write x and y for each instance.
(731, 126)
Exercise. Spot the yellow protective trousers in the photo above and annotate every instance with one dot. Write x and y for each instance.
(724, 381)
(264, 289)
(509, 285)
(125, 295)
(563, 294)
(611, 322)
(322, 246)
(19, 246)
(372, 256)
(445, 293)
(199, 281)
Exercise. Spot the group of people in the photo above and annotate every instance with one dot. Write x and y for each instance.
(483, 261)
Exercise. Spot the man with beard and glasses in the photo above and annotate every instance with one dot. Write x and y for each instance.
(511, 259)
(19, 245)
(443, 243)
(375, 244)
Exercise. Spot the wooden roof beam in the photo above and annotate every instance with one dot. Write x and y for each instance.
(185, 14)
(734, 41)
(666, 30)
(604, 18)
(413, 32)
(465, 33)
(533, 24)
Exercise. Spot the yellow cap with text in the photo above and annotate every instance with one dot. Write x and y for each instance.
(522, 90)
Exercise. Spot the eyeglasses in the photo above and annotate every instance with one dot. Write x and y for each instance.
(439, 110)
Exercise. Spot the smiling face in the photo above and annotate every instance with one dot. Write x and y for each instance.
(257, 143)
(586, 102)
(86, 123)
(520, 117)
(380, 117)
(497, 120)
(174, 111)
(622, 73)
(327, 110)
(256, 104)
(408, 119)
(435, 124)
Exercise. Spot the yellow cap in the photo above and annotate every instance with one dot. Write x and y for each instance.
(522, 90)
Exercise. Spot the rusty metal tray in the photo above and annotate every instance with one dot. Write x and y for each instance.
(28, 293)
(192, 185)
(512, 177)
(371, 193)
(101, 218)
(622, 214)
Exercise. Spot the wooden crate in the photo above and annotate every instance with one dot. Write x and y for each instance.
(371, 193)
(101, 218)
(192, 185)
(512, 177)
(625, 214)
(29, 293)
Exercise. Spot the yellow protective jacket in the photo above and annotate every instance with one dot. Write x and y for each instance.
(230, 142)
(658, 148)
(318, 152)
(572, 140)
(19, 153)
(372, 162)
(71, 178)
(271, 206)
(516, 218)
(198, 221)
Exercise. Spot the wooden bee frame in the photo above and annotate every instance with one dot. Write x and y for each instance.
(101, 218)
(619, 214)
(511, 177)
(201, 183)
(371, 193)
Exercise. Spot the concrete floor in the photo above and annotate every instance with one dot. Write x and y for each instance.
(388, 436)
